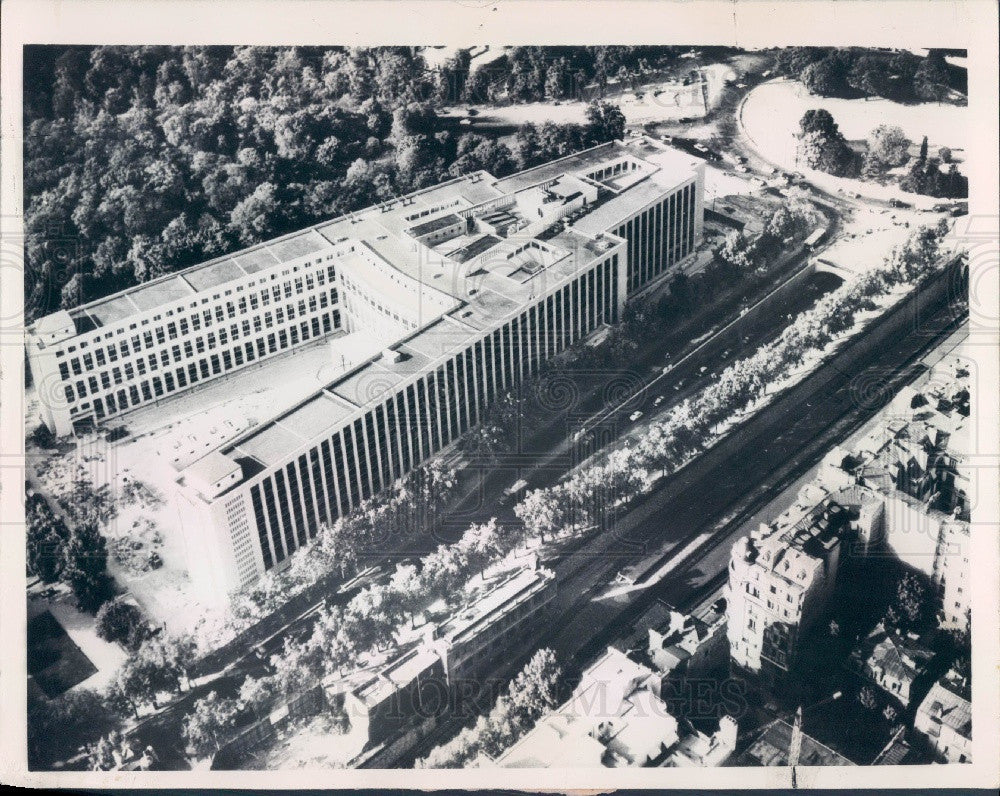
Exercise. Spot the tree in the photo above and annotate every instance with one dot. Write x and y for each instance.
(822, 146)
(57, 728)
(605, 122)
(84, 567)
(258, 694)
(737, 251)
(206, 726)
(923, 150)
(46, 535)
(543, 511)
(868, 75)
(889, 144)
(867, 698)
(930, 80)
(944, 154)
(178, 654)
(790, 61)
(826, 77)
(109, 752)
(535, 687)
(122, 622)
(531, 694)
(908, 609)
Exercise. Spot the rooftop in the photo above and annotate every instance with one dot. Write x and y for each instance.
(948, 707)
(500, 599)
(771, 749)
(614, 719)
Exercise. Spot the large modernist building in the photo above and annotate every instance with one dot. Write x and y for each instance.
(467, 287)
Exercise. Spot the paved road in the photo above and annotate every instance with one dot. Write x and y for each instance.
(695, 535)
(688, 527)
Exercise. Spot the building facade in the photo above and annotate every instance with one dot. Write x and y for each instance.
(781, 580)
(110, 356)
(470, 287)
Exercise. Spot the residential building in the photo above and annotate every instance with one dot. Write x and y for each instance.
(944, 719)
(912, 477)
(698, 750)
(677, 645)
(394, 698)
(781, 579)
(615, 719)
(498, 276)
(893, 661)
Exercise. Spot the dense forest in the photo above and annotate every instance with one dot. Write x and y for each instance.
(143, 160)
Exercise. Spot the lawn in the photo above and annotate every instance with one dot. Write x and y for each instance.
(54, 661)
(771, 114)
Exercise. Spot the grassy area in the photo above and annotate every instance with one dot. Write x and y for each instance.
(54, 661)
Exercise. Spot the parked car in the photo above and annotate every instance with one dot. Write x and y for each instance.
(658, 401)
(635, 415)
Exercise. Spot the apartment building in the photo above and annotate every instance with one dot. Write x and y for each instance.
(615, 719)
(911, 479)
(781, 579)
(471, 286)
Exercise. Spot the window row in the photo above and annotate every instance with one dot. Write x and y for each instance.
(394, 437)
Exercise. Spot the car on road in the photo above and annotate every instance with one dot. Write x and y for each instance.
(579, 435)
(635, 415)
(703, 368)
(658, 401)
(513, 490)
(894, 202)
(666, 369)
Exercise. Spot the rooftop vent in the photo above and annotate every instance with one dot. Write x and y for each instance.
(391, 355)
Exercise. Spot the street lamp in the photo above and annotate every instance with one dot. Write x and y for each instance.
(795, 744)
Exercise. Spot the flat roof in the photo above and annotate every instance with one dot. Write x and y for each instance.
(439, 338)
(212, 467)
(256, 260)
(498, 601)
(296, 245)
(271, 445)
(316, 415)
(213, 275)
(368, 383)
(111, 310)
(614, 211)
(381, 227)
